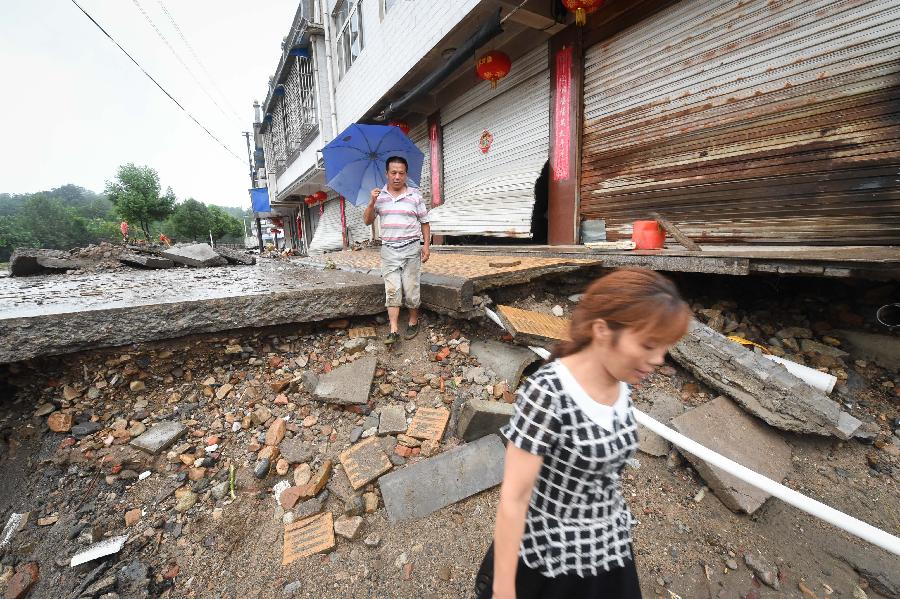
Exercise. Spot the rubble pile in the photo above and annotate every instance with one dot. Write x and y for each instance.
(312, 460)
(110, 257)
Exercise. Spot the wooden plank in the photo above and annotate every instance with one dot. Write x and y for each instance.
(529, 324)
(675, 232)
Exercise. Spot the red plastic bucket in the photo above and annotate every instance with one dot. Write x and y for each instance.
(647, 235)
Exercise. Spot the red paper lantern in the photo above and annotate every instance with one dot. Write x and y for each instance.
(402, 125)
(582, 8)
(320, 196)
(493, 66)
(278, 222)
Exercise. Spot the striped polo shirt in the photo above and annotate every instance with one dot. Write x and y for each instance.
(401, 218)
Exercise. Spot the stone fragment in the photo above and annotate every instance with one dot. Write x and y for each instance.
(186, 502)
(762, 569)
(354, 346)
(289, 497)
(665, 407)
(235, 256)
(347, 384)
(223, 391)
(132, 517)
(762, 387)
(348, 526)
(427, 486)
(160, 436)
(364, 462)
(296, 451)
(392, 420)
(195, 254)
(318, 480)
(145, 260)
(302, 474)
(137, 386)
(22, 581)
(282, 466)
(276, 432)
(478, 418)
(261, 470)
(723, 427)
(60, 422)
(307, 537)
(429, 423)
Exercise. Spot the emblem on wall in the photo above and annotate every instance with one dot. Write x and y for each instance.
(485, 141)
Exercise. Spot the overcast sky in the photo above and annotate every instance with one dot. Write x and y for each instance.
(73, 107)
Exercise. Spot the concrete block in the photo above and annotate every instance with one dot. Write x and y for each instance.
(665, 407)
(427, 486)
(26, 262)
(347, 384)
(478, 418)
(236, 257)
(196, 254)
(160, 436)
(392, 421)
(145, 260)
(507, 361)
(721, 425)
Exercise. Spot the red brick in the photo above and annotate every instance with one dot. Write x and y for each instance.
(20, 584)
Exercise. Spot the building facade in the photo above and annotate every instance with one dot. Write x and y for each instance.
(744, 122)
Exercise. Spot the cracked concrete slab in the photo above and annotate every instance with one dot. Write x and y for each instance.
(347, 384)
(195, 254)
(721, 425)
(59, 314)
(507, 361)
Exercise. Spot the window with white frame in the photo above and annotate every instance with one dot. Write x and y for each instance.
(350, 35)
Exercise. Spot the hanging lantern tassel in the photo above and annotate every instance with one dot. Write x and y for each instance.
(582, 8)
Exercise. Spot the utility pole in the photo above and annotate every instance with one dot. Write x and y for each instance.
(253, 185)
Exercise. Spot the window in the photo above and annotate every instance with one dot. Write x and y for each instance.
(350, 36)
(386, 5)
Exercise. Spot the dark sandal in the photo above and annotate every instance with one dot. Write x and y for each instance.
(392, 338)
(411, 331)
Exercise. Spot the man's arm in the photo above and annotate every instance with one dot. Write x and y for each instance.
(426, 235)
(369, 214)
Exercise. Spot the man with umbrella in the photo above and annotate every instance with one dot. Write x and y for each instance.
(404, 224)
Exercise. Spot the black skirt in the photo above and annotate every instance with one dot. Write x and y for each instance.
(618, 583)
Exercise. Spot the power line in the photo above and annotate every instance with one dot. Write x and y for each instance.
(197, 57)
(178, 56)
(150, 77)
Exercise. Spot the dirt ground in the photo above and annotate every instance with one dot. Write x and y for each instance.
(687, 543)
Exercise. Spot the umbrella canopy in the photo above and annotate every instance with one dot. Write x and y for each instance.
(355, 160)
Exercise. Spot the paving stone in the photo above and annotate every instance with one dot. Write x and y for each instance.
(507, 361)
(429, 423)
(392, 420)
(195, 254)
(427, 486)
(347, 384)
(478, 418)
(160, 436)
(665, 407)
(364, 462)
(307, 537)
(721, 425)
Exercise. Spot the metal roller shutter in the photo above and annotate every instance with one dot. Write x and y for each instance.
(759, 121)
(419, 136)
(328, 235)
(493, 193)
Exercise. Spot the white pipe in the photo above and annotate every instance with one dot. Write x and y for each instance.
(329, 67)
(865, 531)
(814, 378)
(809, 505)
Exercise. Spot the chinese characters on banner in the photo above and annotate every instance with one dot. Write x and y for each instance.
(561, 112)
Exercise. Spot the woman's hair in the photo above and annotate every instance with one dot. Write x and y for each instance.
(628, 298)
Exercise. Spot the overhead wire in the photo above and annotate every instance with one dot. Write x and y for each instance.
(177, 56)
(196, 57)
(155, 82)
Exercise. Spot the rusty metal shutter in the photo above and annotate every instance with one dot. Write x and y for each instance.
(760, 121)
(493, 193)
(419, 136)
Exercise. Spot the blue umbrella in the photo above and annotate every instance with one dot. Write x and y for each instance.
(355, 159)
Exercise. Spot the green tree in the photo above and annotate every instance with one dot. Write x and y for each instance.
(135, 195)
(222, 224)
(52, 224)
(191, 219)
(12, 236)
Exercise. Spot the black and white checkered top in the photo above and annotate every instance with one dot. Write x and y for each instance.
(577, 521)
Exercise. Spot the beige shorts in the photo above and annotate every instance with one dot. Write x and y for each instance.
(401, 268)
